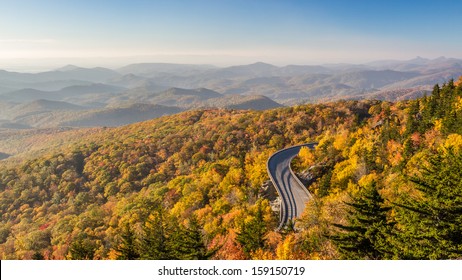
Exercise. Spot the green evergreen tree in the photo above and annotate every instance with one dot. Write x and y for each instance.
(442, 105)
(188, 243)
(82, 248)
(432, 104)
(432, 224)
(155, 243)
(412, 124)
(37, 256)
(366, 236)
(252, 234)
(128, 247)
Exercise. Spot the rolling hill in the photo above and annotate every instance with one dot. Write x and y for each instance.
(288, 84)
(203, 86)
(77, 93)
(378, 167)
(161, 69)
(240, 102)
(76, 116)
(182, 97)
(45, 105)
(118, 116)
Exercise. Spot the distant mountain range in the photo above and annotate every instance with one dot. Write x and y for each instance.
(120, 109)
(77, 96)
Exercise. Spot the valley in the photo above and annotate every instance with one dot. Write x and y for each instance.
(87, 97)
(137, 162)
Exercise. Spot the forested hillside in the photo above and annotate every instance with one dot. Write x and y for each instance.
(386, 179)
(391, 189)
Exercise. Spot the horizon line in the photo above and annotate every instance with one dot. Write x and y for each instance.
(27, 65)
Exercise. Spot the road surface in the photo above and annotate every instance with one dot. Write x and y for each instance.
(292, 192)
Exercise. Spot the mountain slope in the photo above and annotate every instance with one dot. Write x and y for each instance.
(291, 84)
(203, 173)
(205, 162)
(84, 117)
(159, 69)
(41, 105)
(182, 97)
(119, 116)
(241, 102)
(76, 93)
(95, 75)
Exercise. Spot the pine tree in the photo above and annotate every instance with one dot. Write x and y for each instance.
(252, 234)
(432, 225)
(187, 243)
(367, 232)
(432, 103)
(128, 247)
(155, 243)
(82, 248)
(165, 238)
(412, 124)
(37, 256)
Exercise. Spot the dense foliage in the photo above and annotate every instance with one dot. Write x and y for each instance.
(188, 186)
(100, 199)
(392, 189)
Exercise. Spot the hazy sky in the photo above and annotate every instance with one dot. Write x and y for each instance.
(46, 33)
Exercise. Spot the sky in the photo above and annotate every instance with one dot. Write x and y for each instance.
(113, 33)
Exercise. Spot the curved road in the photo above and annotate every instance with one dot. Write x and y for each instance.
(292, 192)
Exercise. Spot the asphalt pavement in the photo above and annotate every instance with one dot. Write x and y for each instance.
(293, 194)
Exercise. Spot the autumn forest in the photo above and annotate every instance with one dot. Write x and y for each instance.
(386, 179)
